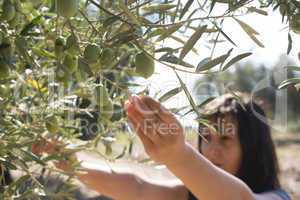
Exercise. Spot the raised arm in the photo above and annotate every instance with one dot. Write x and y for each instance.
(163, 138)
(128, 186)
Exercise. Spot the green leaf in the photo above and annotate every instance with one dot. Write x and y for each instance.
(32, 157)
(247, 28)
(250, 32)
(227, 37)
(188, 95)
(43, 53)
(206, 101)
(212, 5)
(192, 41)
(19, 182)
(235, 60)
(165, 49)
(129, 14)
(207, 63)
(174, 60)
(158, 8)
(186, 8)
(288, 82)
(290, 45)
(170, 94)
(169, 31)
(259, 43)
(259, 11)
(292, 68)
(8, 164)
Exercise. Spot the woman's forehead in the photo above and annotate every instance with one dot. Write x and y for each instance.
(222, 125)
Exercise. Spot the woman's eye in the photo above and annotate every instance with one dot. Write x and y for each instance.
(226, 138)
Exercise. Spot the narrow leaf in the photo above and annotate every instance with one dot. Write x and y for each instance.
(286, 83)
(235, 60)
(169, 31)
(259, 43)
(175, 60)
(158, 7)
(207, 64)
(247, 28)
(186, 8)
(129, 14)
(192, 41)
(259, 11)
(170, 94)
(290, 45)
(293, 68)
(188, 95)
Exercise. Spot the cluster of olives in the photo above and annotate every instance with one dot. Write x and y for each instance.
(66, 53)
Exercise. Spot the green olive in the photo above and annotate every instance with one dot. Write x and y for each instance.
(8, 10)
(71, 62)
(144, 65)
(51, 124)
(67, 8)
(72, 45)
(16, 20)
(106, 58)
(118, 113)
(92, 53)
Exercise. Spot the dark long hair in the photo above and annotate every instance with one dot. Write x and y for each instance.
(259, 166)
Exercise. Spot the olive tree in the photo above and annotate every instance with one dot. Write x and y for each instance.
(66, 66)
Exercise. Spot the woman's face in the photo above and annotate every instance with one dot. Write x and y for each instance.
(222, 147)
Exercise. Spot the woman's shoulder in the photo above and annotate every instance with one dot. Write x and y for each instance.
(283, 194)
(278, 193)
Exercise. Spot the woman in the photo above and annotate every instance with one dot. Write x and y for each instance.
(236, 158)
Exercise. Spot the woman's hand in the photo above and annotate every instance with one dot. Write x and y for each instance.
(160, 132)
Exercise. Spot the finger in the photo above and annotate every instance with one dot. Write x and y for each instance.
(163, 113)
(150, 123)
(145, 140)
(141, 107)
(132, 112)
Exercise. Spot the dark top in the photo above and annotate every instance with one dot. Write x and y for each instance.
(283, 194)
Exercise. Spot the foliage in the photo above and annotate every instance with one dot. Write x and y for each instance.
(66, 66)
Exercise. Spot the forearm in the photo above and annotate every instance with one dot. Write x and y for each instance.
(205, 180)
(116, 185)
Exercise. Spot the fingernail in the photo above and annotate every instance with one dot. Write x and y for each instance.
(135, 99)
